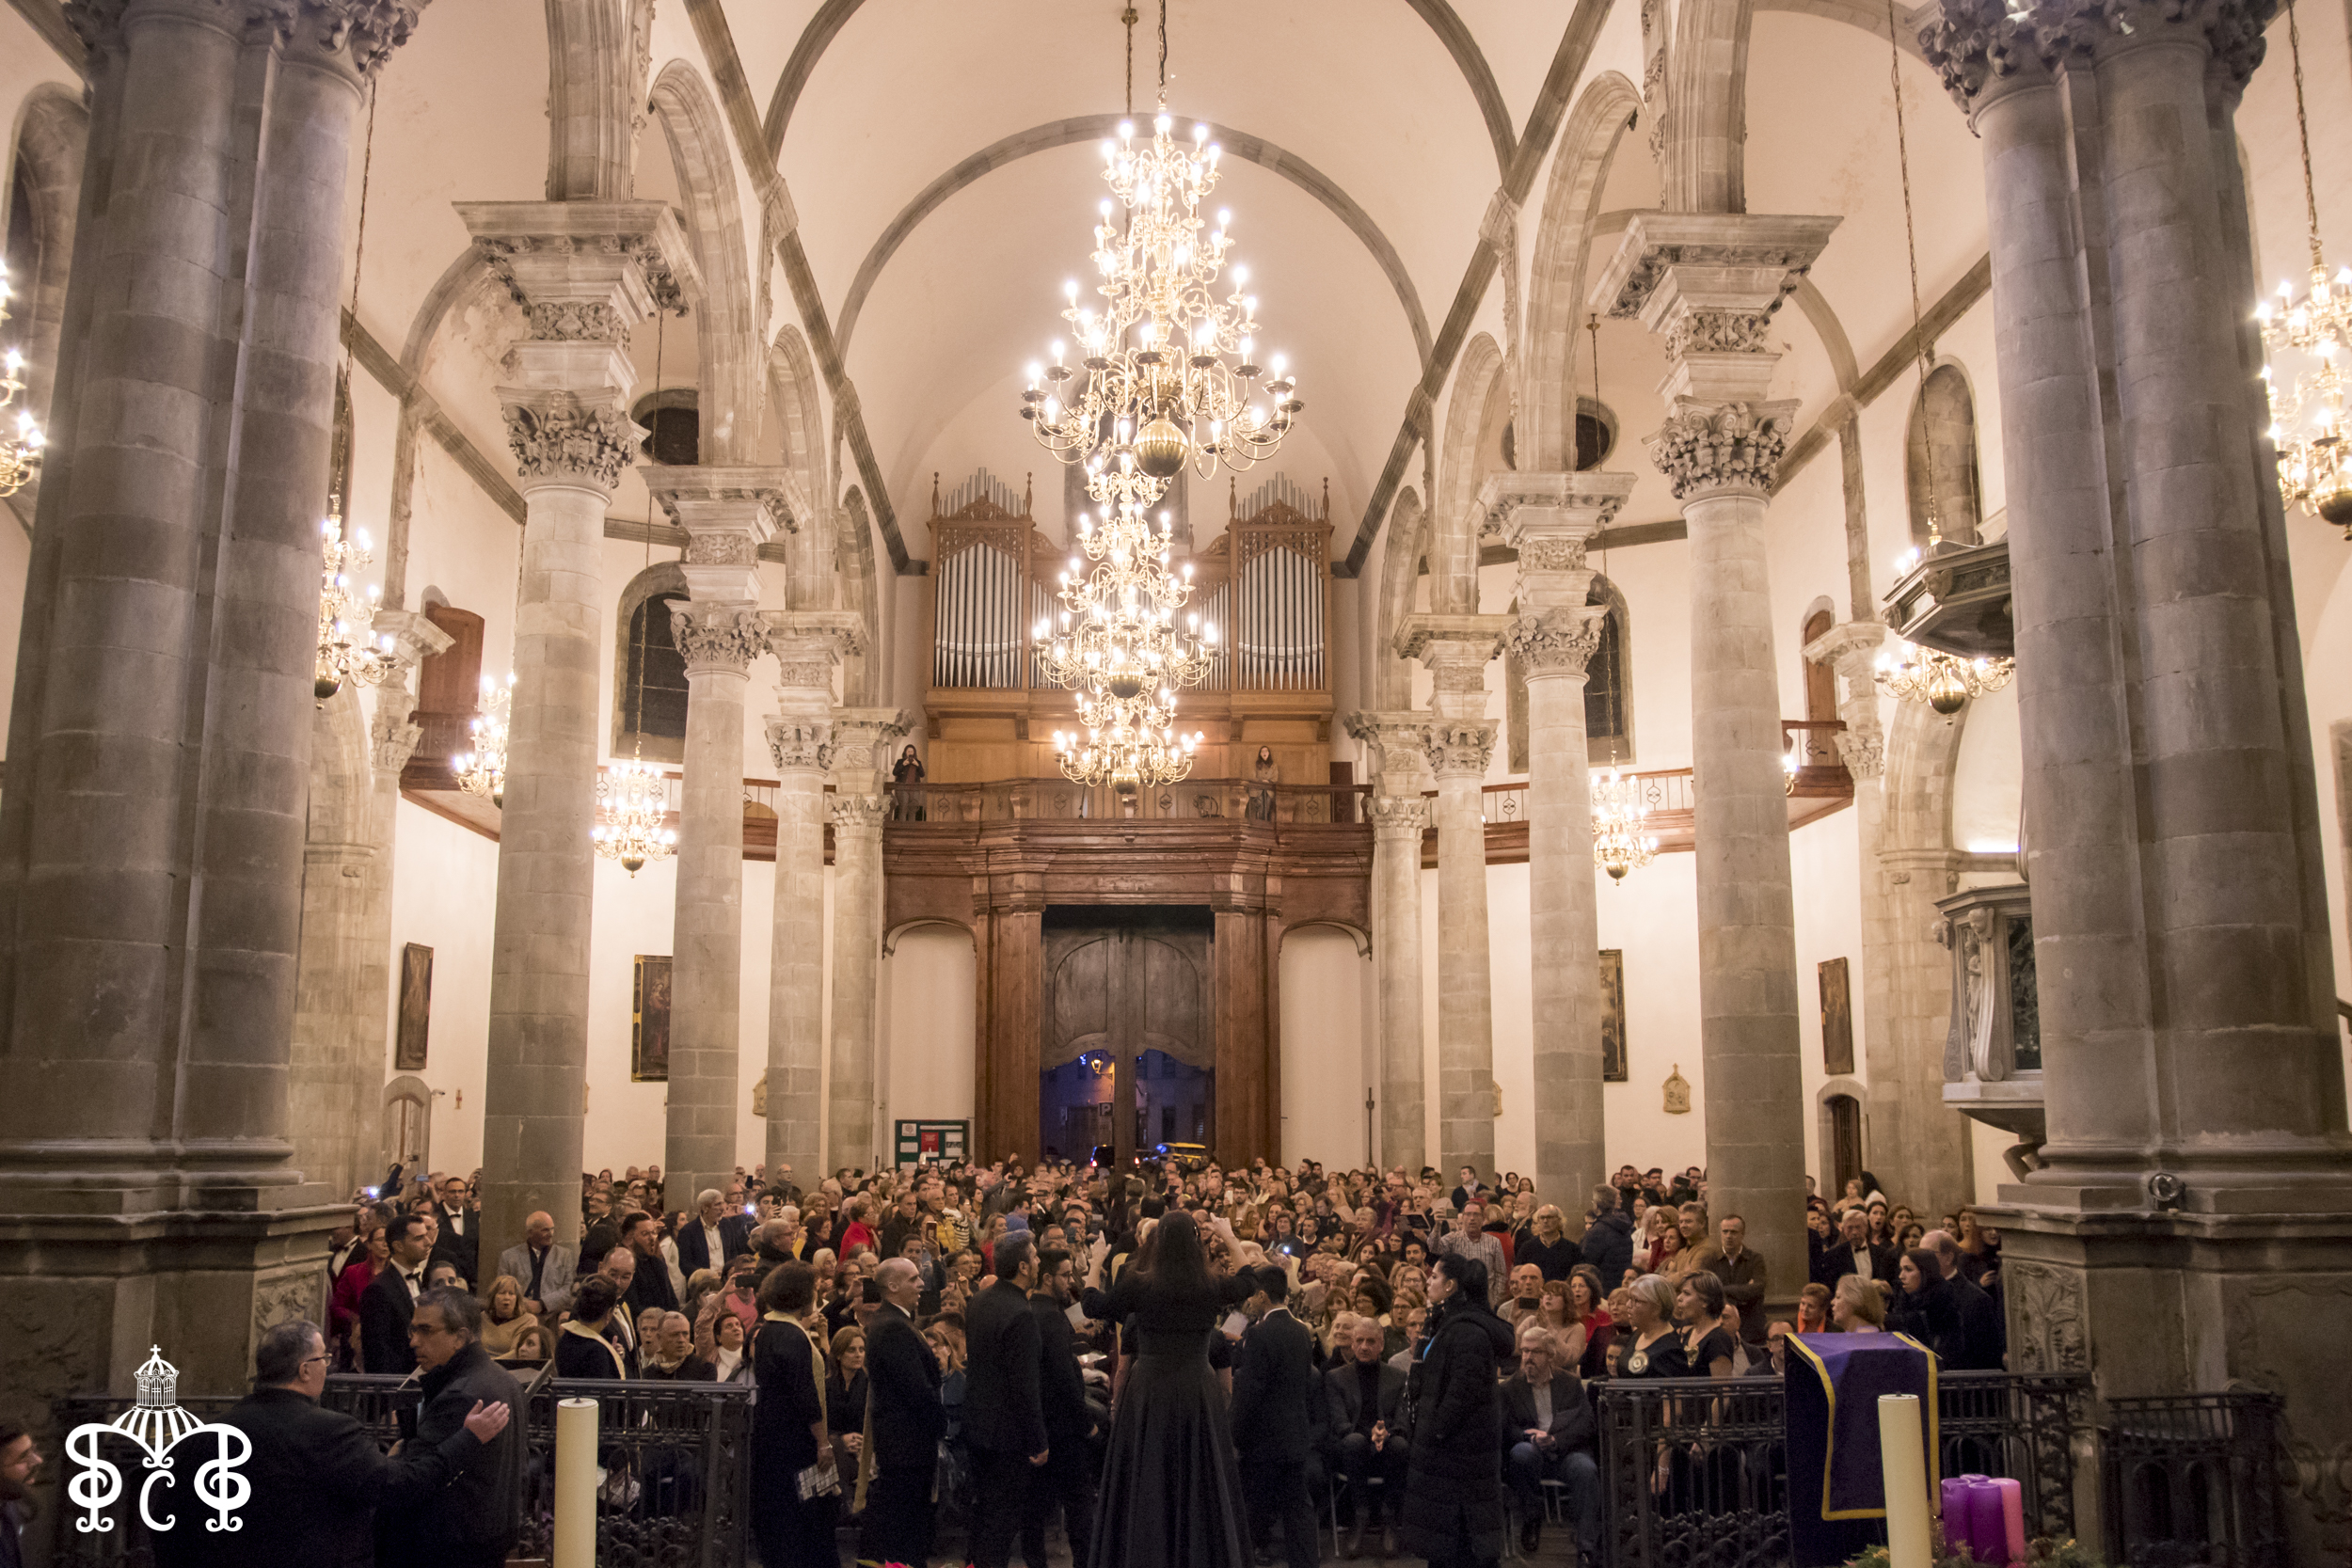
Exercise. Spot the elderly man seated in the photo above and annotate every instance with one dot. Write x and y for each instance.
(1550, 1434)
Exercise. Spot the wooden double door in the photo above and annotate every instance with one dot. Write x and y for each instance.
(1127, 1037)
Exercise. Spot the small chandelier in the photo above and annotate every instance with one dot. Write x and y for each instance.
(633, 804)
(1619, 814)
(1942, 681)
(2314, 453)
(482, 770)
(347, 647)
(1169, 370)
(20, 451)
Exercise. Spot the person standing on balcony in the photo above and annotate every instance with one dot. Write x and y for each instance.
(1264, 775)
(906, 788)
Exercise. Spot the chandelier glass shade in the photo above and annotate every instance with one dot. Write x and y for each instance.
(482, 770)
(1166, 371)
(348, 647)
(632, 808)
(1619, 816)
(21, 442)
(1942, 681)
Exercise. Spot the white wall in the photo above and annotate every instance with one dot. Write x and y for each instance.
(930, 1010)
(444, 891)
(1326, 1020)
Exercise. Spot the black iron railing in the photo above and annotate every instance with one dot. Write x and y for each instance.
(1695, 1472)
(675, 1457)
(2192, 1479)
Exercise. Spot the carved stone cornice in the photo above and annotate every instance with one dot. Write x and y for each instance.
(718, 639)
(1717, 332)
(727, 514)
(1458, 750)
(1735, 447)
(801, 744)
(360, 33)
(565, 437)
(415, 639)
(577, 321)
(809, 644)
(1394, 742)
(1850, 647)
(1398, 816)
(1515, 506)
(1433, 639)
(1730, 261)
(861, 742)
(1557, 641)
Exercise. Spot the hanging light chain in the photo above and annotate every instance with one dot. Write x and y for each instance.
(1911, 251)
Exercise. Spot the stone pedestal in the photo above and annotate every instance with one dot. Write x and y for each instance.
(1399, 817)
(1460, 744)
(861, 754)
(728, 515)
(152, 836)
(809, 645)
(1708, 285)
(585, 274)
(1547, 518)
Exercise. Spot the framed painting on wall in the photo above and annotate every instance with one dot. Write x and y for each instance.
(1837, 1019)
(649, 1020)
(1613, 1062)
(416, 1008)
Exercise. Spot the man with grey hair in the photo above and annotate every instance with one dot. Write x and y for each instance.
(713, 1236)
(317, 1476)
(474, 1520)
(904, 1423)
(545, 1267)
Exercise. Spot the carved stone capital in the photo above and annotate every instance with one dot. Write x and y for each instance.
(415, 639)
(861, 743)
(1551, 553)
(1734, 446)
(1458, 750)
(801, 744)
(360, 34)
(391, 738)
(1392, 744)
(856, 813)
(1864, 754)
(1977, 46)
(809, 644)
(565, 437)
(576, 321)
(718, 639)
(1398, 817)
(1558, 642)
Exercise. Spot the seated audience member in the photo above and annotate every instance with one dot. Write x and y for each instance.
(1550, 1434)
(1362, 1396)
(532, 1346)
(1708, 1347)
(502, 1315)
(1813, 1309)
(672, 1358)
(1855, 1306)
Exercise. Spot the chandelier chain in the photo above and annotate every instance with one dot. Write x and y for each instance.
(359, 242)
(1163, 54)
(2303, 130)
(1911, 250)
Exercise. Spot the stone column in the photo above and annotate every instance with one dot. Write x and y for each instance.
(154, 828)
(585, 274)
(861, 754)
(1460, 744)
(1399, 818)
(1721, 446)
(809, 645)
(728, 515)
(1547, 518)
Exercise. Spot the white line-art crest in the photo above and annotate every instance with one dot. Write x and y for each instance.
(157, 1424)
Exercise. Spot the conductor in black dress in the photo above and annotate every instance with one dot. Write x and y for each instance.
(1171, 1496)
(1003, 1418)
(902, 1408)
(1278, 1417)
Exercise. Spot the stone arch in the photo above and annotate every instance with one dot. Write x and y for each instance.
(1356, 934)
(726, 332)
(1564, 241)
(1826, 1110)
(1707, 108)
(1454, 547)
(598, 52)
(661, 579)
(1940, 445)
(52, 132)
(796, 392)
(1400, 571)
(417, 1096)
(862, 675)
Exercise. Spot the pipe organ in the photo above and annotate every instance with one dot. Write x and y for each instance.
(1264, 582)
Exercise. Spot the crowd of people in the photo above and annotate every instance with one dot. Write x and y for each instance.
(1177, 1362)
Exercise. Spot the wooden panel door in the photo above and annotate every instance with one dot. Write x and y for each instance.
(1127, 1055)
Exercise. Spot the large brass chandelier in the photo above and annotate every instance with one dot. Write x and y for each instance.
(1620, 840)
(348, 648)
(1121, 647)
(1942, 681)
(2309, 424)
(20, 448)
(482, 770)
(633, 813)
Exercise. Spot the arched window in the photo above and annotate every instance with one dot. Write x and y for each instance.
(1608, 706)
(1821, 692)
(1940, 459)
(649, 705)
(672, 417)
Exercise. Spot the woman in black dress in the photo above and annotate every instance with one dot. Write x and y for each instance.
(1171, 1496)
(788, 1429)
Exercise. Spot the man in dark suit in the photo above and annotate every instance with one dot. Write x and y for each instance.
(641, 1233)
(1278, 1417)
(474, 1520)
(1067, 1477)
(1004, 1415)
(1856, 1255)
(1360, 1399)
(1549, 1435)
(544, 1267)
(713, 1236)
(391, 1296)
(904, 1423)
(316, 1476)
(1980, 1342)
(460, 1241)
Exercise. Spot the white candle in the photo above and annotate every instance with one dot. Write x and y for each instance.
(576, 1484)
(1902, 1467)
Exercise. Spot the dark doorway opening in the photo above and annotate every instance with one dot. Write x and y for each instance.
(1128, 1050)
